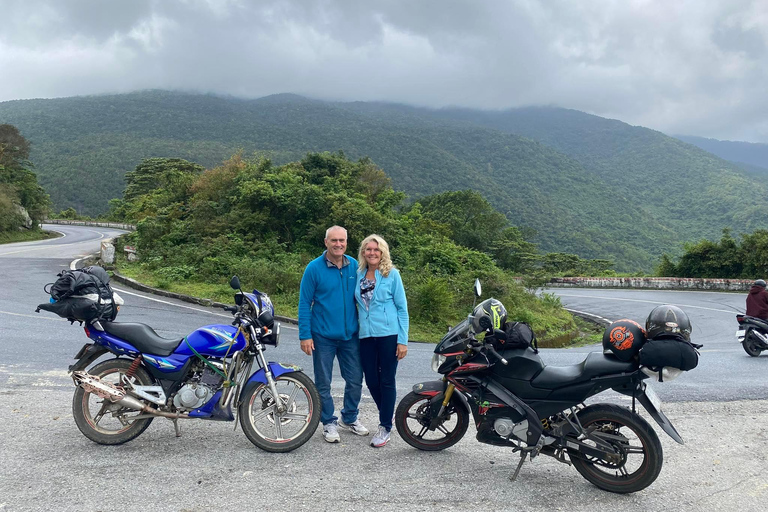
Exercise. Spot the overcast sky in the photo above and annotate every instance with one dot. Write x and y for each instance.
(693, 67)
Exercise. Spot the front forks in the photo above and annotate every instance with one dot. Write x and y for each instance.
(437, 419)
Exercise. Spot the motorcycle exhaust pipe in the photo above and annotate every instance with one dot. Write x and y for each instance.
(761, 338)
(96, 386)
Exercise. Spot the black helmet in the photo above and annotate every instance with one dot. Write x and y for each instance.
(489, 314)
(669, 321)
(760, 282)
(623, 338)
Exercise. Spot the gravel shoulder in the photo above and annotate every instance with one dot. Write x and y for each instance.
(49, 465)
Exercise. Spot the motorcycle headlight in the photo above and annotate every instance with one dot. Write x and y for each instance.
(437, 361)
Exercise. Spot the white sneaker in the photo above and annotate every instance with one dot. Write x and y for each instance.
(380, 438)
(355, 427)
(331, 432)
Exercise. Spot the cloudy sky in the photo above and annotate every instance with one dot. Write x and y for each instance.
(694, 67)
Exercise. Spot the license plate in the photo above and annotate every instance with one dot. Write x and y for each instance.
(740, 334)
(653, 397)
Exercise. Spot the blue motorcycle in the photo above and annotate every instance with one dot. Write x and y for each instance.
(205, 375)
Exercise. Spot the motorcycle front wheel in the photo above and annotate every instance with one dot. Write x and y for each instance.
(285, 425)
(102, 421)
(412, 420)
(751, 345)
(631, 437)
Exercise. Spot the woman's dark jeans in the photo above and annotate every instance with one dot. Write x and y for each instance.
(378, 356)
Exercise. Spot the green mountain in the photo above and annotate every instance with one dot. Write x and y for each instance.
(594, 187)
(751, 156)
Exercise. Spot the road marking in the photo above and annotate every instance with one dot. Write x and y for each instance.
(34, 316)
(123, 290)
(644, 301)
(55, 246)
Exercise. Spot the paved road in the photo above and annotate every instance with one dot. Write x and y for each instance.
(725, 371)
(49, 465)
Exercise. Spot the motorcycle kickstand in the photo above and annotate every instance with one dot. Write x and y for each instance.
(513, 476)
(176, 427)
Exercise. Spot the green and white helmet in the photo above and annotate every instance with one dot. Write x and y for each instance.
(489, 315)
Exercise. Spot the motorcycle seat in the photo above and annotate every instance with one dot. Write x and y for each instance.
(755, 321)
(596, 364)
(143, 337)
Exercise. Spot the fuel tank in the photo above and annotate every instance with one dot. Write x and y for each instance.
(516, 376)
(213, 340)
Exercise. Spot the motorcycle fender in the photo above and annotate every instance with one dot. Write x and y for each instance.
(660, 417)
(260, 377)
(87, 355)
(437, 387)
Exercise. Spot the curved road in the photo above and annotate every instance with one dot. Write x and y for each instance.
(725, 372)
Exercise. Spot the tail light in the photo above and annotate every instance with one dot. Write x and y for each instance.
(87, 332)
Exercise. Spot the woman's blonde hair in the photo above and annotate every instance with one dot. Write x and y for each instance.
(386, 262)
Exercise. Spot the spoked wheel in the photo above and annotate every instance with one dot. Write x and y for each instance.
(102, 421)
(638, 448)
(750, 345)
(412, 420)
(285, 423)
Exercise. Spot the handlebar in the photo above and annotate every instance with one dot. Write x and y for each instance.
(495, 354)
(231, 309)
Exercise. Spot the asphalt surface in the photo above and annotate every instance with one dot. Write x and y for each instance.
(720, 409)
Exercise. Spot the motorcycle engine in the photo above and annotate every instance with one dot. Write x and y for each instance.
(198, 390)
(507, 428)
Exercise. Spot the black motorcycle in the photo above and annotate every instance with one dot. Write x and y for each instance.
(752, 334)
(519, 402)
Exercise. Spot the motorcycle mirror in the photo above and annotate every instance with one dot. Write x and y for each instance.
(478, 292)
(234, 283)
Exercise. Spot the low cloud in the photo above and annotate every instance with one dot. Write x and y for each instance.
(687, 67)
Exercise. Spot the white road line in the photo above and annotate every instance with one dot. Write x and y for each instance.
(38, 316)
(123, 290)
(55, 246)
(646, 302)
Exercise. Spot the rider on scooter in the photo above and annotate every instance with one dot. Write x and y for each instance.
(757, 300)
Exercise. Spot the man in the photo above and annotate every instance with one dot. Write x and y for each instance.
(328, 329)
(757, 300)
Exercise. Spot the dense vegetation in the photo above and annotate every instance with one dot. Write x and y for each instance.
(726, 259)
(265, 223)
(572, 183)
(18, 186)
(749, 155)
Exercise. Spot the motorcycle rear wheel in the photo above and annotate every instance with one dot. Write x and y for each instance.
(412, 419)
(750, 345)
(634, 439)
(102, 421)
(275, 431)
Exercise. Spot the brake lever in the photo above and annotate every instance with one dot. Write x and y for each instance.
(495, 354)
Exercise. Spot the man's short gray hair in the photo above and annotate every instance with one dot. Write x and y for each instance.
(328, 231)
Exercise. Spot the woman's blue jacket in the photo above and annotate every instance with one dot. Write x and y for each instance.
(388, 311)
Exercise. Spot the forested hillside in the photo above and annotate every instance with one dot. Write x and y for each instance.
(589, 186)
(750, 156)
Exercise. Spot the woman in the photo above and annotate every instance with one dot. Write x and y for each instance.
(383, 316)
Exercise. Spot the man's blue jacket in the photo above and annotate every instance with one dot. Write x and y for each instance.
(327, 300)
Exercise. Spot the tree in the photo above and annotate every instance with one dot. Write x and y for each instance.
(21, 186)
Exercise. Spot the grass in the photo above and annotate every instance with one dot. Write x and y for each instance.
(578, 333)
(9, 237)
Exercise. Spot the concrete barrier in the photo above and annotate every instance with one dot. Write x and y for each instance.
(653, 283)
(117, 225)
